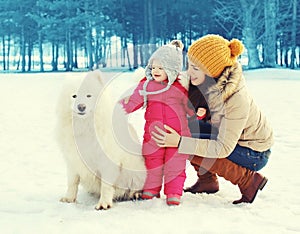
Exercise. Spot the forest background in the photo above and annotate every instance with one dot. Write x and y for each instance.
(67, 35)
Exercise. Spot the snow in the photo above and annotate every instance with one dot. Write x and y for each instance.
(33, 172)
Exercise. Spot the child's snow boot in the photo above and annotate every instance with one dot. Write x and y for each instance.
(173, 199)
(150, 194)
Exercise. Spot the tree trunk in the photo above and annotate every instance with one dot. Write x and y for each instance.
(97, 50)
(250, 43)
(54, 56)
(68, 51)
(281, 57)
(149, 39)
(294, 34)
(89, 47)
(249, 35)
(29, 54)
(298, 55)
(23, 50)
(89, 43)
(152, 11)
(3, 53)
(104, 50)
(8, 52)
(142, 59)
(135, 52)
(41, 52)
(75, 65)
(286, 58)
(269, 55)
(117, 57)
(127, 54)
(144, 47)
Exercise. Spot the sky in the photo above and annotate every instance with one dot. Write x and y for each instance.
(33, 172)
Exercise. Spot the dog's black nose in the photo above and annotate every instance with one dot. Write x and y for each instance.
(81, 107)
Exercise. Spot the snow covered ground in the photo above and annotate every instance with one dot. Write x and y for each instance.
(33, 173)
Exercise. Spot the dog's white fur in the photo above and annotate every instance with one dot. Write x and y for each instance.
(82, 116)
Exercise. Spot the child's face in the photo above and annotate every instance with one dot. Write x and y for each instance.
(197, 76)
(157, 71)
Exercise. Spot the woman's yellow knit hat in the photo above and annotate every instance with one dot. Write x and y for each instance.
(212, 53)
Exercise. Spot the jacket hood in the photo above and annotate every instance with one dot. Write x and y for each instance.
(230, 82)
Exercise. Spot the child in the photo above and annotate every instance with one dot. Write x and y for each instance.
(165, 100)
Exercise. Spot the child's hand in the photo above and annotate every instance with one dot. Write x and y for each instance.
(126, 100)
(201, 113)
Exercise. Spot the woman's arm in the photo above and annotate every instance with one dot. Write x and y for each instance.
(231, 127)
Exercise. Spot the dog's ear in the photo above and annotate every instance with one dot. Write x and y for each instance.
(95, 74)
(139, 74)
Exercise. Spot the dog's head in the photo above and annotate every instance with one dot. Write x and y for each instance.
(81, 95)
(83, 103)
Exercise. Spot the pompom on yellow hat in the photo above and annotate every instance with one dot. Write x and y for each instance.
(212, 53)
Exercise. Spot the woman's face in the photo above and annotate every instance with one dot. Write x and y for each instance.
(196, 75)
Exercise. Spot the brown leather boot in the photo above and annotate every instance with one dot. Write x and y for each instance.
(258, 182)
(249, 182)
(207, 182)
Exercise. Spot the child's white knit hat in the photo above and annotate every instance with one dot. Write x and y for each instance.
(171, 59)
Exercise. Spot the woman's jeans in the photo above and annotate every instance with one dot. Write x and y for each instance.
(242, 156)
(249, 158)
(202, 130)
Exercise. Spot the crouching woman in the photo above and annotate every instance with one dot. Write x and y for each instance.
(242, 146)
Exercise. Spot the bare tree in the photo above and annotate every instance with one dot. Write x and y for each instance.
(245, 16)
(227, 16)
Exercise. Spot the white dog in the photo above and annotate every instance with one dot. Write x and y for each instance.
(97, 142)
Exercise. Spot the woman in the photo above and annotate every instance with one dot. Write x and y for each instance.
(244, 138)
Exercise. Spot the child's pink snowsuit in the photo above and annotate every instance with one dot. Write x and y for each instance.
(170, 108)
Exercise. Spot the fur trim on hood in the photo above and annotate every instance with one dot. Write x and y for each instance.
(230, 82)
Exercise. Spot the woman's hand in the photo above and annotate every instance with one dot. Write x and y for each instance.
(168, 138)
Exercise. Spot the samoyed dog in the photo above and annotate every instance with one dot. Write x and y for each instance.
(100, 147)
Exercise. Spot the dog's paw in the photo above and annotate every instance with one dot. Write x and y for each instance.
(68, 199)
(103, 206)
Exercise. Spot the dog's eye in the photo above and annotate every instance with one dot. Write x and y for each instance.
(89, 95)
(74, 96)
